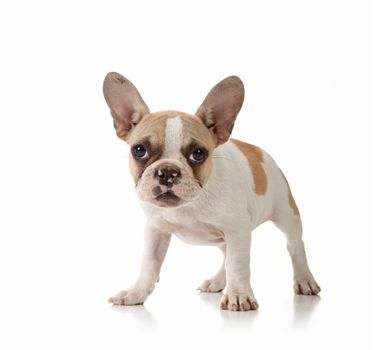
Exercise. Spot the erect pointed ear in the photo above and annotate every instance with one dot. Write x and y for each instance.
(126, 104)
(221, 106)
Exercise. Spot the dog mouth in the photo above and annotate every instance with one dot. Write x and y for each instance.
(168, 199)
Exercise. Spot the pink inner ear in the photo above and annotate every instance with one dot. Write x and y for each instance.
(222, 116)
(122, 120)
(223, 132)
(121, 130)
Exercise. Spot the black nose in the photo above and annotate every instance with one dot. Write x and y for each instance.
(168, 176)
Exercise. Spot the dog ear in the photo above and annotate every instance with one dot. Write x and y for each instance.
(221, 106)
(126, 104)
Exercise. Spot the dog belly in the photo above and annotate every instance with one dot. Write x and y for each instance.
(209, 236)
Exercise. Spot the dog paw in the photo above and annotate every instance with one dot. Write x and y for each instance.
(129, 297)
(235, 301)
(306, 286)
(212, 285)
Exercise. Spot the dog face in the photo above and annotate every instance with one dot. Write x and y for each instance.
(171, 152)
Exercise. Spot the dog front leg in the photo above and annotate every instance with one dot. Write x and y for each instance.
(238, 295)
(155, 247)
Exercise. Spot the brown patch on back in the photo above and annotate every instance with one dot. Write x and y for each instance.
(291, 199)
(255, 160)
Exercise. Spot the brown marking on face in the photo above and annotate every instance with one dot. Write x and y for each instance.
(197, 135)
(255, 160)
(157, 190)
(291, 199)
(151, 133)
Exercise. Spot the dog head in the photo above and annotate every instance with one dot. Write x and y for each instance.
(171, 152)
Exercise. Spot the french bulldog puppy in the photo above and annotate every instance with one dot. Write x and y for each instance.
(196, 183)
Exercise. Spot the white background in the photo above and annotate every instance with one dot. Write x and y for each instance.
(71, 228)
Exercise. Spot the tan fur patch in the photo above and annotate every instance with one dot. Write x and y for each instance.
(291, 199)
(293, 203)
(152, 129)
(196, 133)
(255, 160)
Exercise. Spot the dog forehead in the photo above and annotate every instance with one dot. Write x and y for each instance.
(172, 129)
(173, 135)
(183, 130)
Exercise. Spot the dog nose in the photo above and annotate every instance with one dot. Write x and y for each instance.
(168, 175)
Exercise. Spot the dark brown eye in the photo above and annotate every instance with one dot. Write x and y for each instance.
(139, 151)
(198, 155)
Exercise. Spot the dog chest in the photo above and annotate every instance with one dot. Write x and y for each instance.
(197, 233)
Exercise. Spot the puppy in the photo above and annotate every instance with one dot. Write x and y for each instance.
(197, 184)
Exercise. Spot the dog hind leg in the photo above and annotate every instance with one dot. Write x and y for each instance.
(290, 224)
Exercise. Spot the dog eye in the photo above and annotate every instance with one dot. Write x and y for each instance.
(139, 151)
(198, 155)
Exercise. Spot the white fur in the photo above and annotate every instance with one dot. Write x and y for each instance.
(173, 137)
(225, 213)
